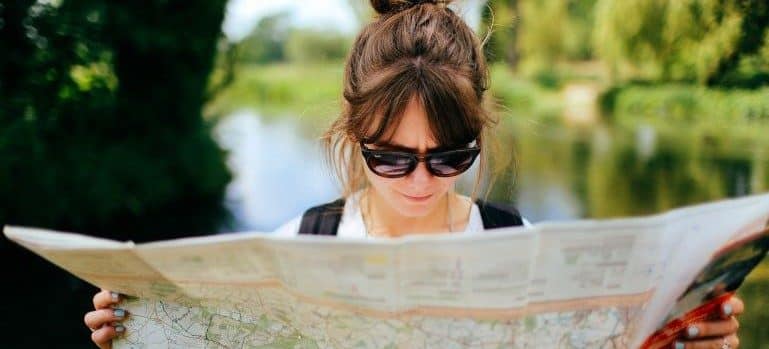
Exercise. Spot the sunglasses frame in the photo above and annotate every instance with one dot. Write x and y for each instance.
(416, 158)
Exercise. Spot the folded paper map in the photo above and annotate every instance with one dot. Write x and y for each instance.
(578, 284)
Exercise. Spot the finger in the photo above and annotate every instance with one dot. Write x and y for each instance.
(105, 299)
(103, 336)
(731, 341)
(712, 328)
(734, 306)
(98, 318)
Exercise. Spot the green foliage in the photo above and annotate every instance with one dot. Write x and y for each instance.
(312, 91)
(753, 322)
(691, 40)
(312, 46)
(541, 34)
(552, 31)
(576, 41)
(101, 133)
(90, 133)
(535, 37)
(687, 104)
(274, 40)
(266, 42)
(523, 97)
(500, 28)
(763, 52)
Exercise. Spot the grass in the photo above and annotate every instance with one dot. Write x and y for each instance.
(311, 92)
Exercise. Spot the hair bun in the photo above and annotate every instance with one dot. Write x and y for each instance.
(392, 6)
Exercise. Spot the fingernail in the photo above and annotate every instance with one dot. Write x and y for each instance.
(119, 328)
(115, 296)
(678, 345)
(118, 313)
(692, 331)
(726, 308)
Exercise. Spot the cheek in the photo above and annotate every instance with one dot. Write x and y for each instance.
(379, 183)
(446, 182)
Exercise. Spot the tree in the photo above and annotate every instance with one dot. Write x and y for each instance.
(101, 133)
(539, 34)
(690, 40)
(754, 40)
(500, 23)
(266, 42)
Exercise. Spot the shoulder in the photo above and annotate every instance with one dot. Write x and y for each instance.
(320, 219)
(333, 207)
(331, 218)
(497, 215)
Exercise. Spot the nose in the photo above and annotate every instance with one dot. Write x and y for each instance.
(420, 176)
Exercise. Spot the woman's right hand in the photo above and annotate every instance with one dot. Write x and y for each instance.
(105, 320)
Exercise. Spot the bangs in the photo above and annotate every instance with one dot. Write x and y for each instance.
(453, 109)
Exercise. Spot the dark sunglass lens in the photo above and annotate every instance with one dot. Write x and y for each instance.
(385, 164)
(452, 163)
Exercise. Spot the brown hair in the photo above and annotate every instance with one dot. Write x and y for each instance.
(412, 49)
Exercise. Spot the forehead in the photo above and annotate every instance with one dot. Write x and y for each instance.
(410, 131)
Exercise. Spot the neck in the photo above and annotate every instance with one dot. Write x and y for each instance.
(383, 220)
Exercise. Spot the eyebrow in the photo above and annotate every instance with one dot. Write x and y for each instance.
(398, 147)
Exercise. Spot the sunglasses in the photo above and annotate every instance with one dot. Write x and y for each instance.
(396, 164)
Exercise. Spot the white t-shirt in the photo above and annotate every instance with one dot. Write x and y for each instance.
(351, 225)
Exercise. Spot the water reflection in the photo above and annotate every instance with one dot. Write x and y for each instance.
(277, 172)
(540, 200)
(604, 172)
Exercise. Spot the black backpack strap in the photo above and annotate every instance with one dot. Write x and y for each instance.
(322, 219)
(498, 215)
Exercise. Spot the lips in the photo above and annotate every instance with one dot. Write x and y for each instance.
(419, 198)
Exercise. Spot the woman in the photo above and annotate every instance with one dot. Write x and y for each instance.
(414, 118)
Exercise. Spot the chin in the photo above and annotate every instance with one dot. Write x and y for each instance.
(414, 209)
(415, 212)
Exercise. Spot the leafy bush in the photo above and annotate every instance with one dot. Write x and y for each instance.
(687, 103)
(312, 46)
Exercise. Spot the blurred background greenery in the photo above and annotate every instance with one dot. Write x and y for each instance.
(146, 120)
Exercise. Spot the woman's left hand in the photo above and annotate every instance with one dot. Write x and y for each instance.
(718, 333)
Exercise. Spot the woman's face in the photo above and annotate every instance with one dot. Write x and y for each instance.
(418, 193)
